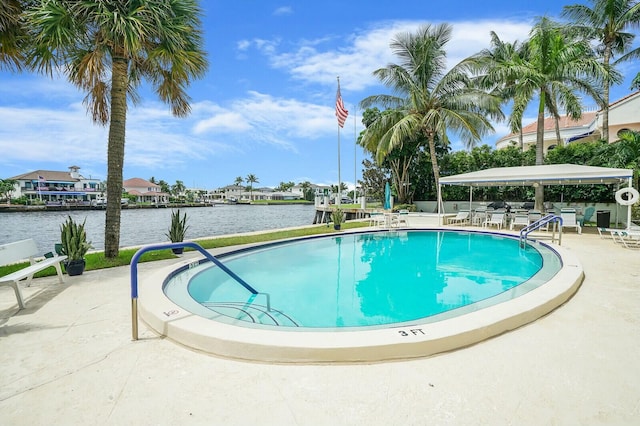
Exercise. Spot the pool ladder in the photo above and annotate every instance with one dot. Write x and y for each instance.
(206, 254)
(541, 223)
(251, 312)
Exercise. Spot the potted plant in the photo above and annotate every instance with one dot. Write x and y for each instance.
(337, 217)
(177, 230)
(74, 245)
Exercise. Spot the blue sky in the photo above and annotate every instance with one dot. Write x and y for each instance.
(266, 104)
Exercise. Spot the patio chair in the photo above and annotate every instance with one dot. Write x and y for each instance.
(403, 217)
(520, 219)
(569, 219)
(588, 214)
(376, 219)
(461, 218)
(496, 219)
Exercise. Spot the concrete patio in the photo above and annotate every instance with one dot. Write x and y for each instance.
(68, 359)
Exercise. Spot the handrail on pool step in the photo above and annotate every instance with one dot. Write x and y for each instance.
(546, 220)
(153, 247)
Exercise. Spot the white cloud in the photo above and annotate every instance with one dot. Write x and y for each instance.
(267, 119)
(154, 138)
(365, 51)
(284, 10)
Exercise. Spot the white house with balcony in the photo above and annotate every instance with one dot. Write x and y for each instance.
(624, 114)
(57, 187)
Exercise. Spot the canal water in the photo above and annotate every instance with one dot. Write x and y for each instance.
(147, 226)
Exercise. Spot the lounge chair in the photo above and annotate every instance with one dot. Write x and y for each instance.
(479, 216)
(520, 219)
(629, 239)
(536, 215)
(496, 219)
(460, 219)
(569, 219)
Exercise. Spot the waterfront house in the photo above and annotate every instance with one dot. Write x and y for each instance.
(145, 191)
(57, 187)
(232, 193)
(623, 115)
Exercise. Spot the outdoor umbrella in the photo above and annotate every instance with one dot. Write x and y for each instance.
(387, 196)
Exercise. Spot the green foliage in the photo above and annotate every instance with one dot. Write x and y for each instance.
(410, 207)
(73, 238)
(337, 216)
(374, 177)
(178, 227)
(6, 187)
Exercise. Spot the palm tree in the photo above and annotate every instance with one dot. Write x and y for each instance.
(178, 188)
(492, 68)
(238, 181)
(606, 22)
(251, 179)
(164, 186)
(627, 152)
(557, 67)
(430, 101)
(106, 48)
(306, 189)
(12, 34)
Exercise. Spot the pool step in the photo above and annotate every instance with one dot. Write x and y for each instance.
(251, 312)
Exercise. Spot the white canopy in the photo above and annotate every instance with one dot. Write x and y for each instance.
(553, 174)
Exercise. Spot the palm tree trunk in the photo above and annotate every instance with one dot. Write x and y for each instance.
(115, 155)
(539, 201)
(605, 94)
(434, 165)
(521, 138)
(556, 119)
(434, 159)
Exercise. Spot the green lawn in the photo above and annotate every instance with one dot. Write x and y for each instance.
(97, 260)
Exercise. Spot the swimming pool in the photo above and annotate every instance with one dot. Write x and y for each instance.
(363, 280)
(357, 287)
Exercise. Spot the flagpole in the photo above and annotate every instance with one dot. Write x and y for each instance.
(341, 115)
(339, 197)
(355, 162)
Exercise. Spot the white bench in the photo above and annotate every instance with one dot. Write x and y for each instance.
(19, 251)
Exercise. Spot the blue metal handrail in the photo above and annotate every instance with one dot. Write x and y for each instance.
(134, 275)
(550, 218)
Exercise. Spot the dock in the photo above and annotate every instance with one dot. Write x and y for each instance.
(323, 214)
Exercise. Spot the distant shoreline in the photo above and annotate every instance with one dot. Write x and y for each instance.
(19, 208)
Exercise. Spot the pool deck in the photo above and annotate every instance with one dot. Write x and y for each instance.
(68, 359)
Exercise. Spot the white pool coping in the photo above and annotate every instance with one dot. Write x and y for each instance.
(420, 339)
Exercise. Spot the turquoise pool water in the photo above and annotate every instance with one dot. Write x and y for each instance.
(374, 279)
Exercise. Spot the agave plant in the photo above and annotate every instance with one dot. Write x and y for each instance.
(74, 239)
(178, 227)
(337, 217)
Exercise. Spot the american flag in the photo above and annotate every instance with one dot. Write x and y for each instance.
(341, 112)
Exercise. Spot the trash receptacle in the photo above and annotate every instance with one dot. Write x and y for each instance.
(603, 218)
